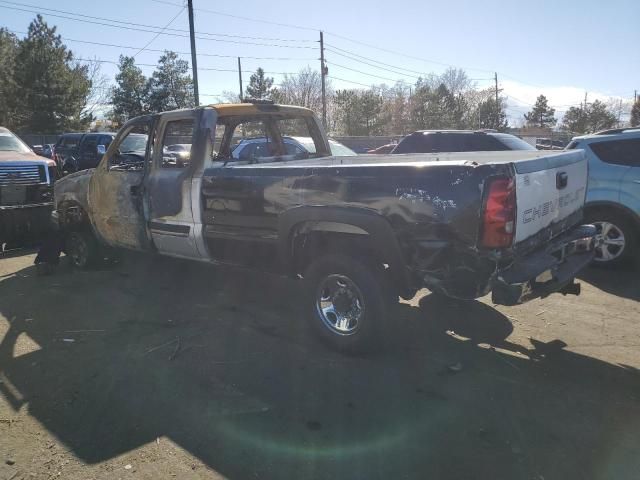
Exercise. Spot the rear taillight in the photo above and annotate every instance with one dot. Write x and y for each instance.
(498, 225)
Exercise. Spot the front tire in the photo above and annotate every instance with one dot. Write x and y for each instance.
(82, 249)
(618, 238)
(346, 302)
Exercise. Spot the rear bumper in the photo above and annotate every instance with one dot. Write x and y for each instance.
(547, 271)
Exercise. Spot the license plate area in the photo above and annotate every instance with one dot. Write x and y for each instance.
(13, 195)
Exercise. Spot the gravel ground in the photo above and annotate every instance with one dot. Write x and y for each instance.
(157, 368)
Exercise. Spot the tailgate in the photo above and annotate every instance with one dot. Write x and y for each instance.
(550, 191)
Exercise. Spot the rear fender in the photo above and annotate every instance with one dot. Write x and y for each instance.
(347, 220)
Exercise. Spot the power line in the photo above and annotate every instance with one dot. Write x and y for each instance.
(213, 69)
(351, 55)
(361, 72)
(94, 17)
(75, 40)
(239, 17)
(159, 33)
(350, 81)
(155, 31)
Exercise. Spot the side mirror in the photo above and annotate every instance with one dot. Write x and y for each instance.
(101, 149)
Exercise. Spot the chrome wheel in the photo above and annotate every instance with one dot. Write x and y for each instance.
(610, 242)
(339, 304)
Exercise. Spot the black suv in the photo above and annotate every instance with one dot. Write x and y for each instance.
(79, 151)
(436, 141)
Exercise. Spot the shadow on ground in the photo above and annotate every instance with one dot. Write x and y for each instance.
(222, 363)
(620, 282)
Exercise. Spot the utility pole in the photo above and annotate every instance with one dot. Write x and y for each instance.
(194, 62)
(496, 79)
(323, 73)
(585, 101)
(240, 77)
(635, 96)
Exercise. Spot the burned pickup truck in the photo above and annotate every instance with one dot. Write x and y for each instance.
(358, 231)
(26, 191)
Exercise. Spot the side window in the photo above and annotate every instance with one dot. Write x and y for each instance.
(89, 144)
(247, 151)
(268, 138)
(292, 149)
(176, 143)
(479, 142)
(130, 152)
(417, 143)
(451, 142)
(618, 152)
(106, 141)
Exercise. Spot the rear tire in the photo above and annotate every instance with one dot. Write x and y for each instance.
(346, 300)
(618, 236)
(82, 249)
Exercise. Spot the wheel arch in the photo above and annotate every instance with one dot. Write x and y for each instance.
(358, 224)
(616, 207)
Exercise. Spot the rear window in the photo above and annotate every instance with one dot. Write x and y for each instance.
(511, 142)
(418, 142)
(618, 152)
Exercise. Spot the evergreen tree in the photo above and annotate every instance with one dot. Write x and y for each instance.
(171, 86)
(130, 96)
(260, 87)
(52, 88)
(541, 115)
(8, 51)
(596, 116)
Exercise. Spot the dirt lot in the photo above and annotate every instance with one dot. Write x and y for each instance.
(164, 369)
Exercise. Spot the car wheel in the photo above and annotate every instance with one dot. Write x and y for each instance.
(347, 302)
(617, 239)
(82, 249)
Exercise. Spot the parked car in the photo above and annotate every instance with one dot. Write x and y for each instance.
(26, 191)
(81, 151)
(548, 144)
(299, 147)
(358, 231)
(434, 141)
(613, 197)
(47, 150)
(37, 149)
(384, 149)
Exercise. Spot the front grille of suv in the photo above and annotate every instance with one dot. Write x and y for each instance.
(22, 174)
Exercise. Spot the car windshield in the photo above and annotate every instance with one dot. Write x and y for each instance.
(10, 143)
(134, 143)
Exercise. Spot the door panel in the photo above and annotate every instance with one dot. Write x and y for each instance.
(169, 185)
(115, 192)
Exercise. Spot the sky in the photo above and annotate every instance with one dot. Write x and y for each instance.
(562, 49)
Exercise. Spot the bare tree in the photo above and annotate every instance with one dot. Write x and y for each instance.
(456, 81)
(100, 90)
(303, 89)
(621, 108)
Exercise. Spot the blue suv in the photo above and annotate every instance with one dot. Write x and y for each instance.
(613, 196)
